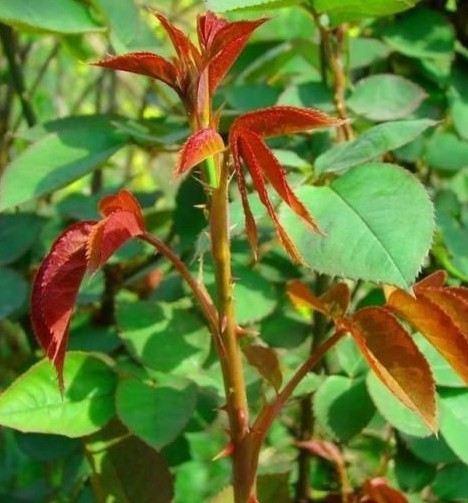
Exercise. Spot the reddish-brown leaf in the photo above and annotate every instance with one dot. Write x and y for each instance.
(54, 291)
(282, 120)
(266, 361)
(396, 360)
(144, 63)
(247, 153)
(122, 201)
(435, 279)
(225, 45)
(325, 450)
(380, 492)
(336, 299)
(197, 148)
(435, 323)
(207, 26)
(302, 297)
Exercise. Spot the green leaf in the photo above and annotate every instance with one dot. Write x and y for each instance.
(411, 473)
(228, 5)
(245, 98)
(421, 33)
(343, 406)
(163, 337)
(451, 483)
(454, 420)
(459, 112)
(59, 158)
(273, 488)
(394, 411)
(308, 94)
(358, 212)
(13, 291)
(20, 231)
(430, 449)
(46, 447)
(126, 470)
(66, 16)
(447, 153)
(155, 413)
(349, 357)
(366, 51)
(370, 145)
(33, 402)
(353, 10)
(385, 97)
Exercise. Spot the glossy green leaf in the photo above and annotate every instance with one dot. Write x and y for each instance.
(20, 231)
(353, 10)
(366, 51)
(66, 16)
(57, 159)
(394, 411)
(360, 209)
(430, 449)
(163, 337)
(13, 291)
(385, 97)
(155, 413)
(227, 5)
(127, 470)
(454, 420)
(451, 483)
(343, 406)
(421, 33)
(447, 153)
(33, 402)
(370, 145)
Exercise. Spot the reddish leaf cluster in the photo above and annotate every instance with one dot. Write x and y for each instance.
(196, 71)
(441, 315)
(84, 247)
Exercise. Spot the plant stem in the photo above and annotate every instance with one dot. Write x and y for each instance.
(231, 360)
(9, 43)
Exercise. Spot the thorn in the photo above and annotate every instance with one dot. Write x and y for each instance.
(226, 452)
(242, 332)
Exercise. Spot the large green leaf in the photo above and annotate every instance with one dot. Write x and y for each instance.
(343, 406)
(385, 97)
(370, 144)
(33, 402)
(378, 221)
(394, 411)
(227, 5)
(155, 413)
(451, 483)
(71, 150)
(13, 291)
(353, 10)
(411, 473)
(366, 51)
(163, 337)
(126, 470)
(65, 16)
(20, 231)
(430, 449)
(454, 420)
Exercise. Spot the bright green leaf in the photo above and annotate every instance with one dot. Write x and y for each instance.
(349, 357)
(57, 159)
(227, 5)
(33, 402)
(394, 411)
(370, 144)
(65, 16)
(454, 420)
(359, 213)
(385, 97)
(155, 413)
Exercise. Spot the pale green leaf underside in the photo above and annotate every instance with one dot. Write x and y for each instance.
(63, 16)
(378, 222)
(33, 402)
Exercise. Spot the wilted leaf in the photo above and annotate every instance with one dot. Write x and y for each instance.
(396, 360)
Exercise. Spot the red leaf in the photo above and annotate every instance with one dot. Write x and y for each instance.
(197, 148)
(226, 43)
(247, 153)
(266, 361)
(302, 297)
(325, 450)
(207, 26)
(433, 320)
(396, 360)
(54, 291)
(282, 120)
(437, 278)
(122, 201)
(380, 492)
(144, 63)
(337, 299)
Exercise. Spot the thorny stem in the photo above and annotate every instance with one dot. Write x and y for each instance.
(9, 43)
(231, 360)
(333, 48)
